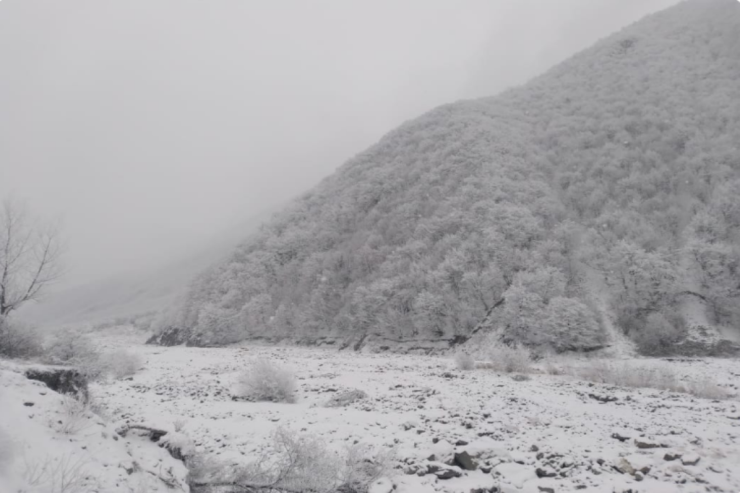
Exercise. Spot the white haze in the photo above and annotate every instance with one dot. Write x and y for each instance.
(151, 126)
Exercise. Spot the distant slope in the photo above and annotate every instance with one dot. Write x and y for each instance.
(137, 293)
(621, 165)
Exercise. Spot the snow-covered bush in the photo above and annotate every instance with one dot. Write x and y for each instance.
(652, 376)
(297, 462)
(73, 347)
(464, 361)
(507, 359)
(657, 335)
(19, 340)
(265, 381)
(76, 415)
(121, 364)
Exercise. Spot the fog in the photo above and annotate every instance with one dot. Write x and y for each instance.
(150, 127)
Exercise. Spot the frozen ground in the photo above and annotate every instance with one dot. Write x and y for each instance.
(49, 443)
(520, 432)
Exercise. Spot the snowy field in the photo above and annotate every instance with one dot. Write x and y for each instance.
(548, 433)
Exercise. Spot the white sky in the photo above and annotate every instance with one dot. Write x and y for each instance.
(150, 126)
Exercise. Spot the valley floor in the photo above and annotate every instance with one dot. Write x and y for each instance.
(523, 431)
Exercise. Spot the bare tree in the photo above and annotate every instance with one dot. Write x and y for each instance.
(30, 254)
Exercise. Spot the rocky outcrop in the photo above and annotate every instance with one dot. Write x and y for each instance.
(63, 380)
(171, 336)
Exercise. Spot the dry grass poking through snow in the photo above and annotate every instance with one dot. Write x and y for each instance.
(464, 361)
(121, 364)
(265, 381)
(652, 376)
(507, 359)
(296, 462)
(76, 415)
(65, 474)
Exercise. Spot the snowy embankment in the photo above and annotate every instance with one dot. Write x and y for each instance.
(54, 443)
(548, 433)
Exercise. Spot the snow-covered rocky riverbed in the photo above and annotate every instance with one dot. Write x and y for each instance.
(548, 433)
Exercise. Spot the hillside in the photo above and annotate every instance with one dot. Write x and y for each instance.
(601, 194)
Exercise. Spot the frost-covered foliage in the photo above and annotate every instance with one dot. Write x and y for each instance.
(506, 359)
(648, 375)
(19, 340)
(263, 380)
(500, 212)
(121, 364)
(464, 361)
(297, 462)
(74, 347)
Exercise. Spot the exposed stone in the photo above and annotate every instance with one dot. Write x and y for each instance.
(646, 444)
(690, 460)
(171, 336)
(346, 398)
(545, 473)
(624, 467)
(671, 456)
(67, 381)
(465, 462)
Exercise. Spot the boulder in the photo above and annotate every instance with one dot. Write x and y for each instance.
(465, 462)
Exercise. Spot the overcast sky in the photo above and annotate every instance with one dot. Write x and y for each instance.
(150, 126)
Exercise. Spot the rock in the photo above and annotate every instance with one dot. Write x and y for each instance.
(170, 336)
(346, 398)
(28, 404)
(646, 444)
(690, 460)
(442, 471)
(67, 381)
(671, 456)
(625, 467)
(461, 443)
(545, 472)
(465, 462)
(546, 489)
(620, 437)
(534, 448)
(604, 399)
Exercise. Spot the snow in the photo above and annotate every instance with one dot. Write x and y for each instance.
(91, 458)
(420, 406)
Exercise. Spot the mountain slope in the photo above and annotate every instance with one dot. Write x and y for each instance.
(610, 179)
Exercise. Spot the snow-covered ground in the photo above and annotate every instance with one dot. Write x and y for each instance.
(549, 433)
(50, 443)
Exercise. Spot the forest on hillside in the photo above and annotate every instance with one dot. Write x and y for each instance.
(607, 188)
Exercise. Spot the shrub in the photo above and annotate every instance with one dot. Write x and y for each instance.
(296, 462)
(121, 364)
(65, 474)
(265, 381)
(19, 340)
(76, 415)
(508, 359)
(659, 377)
(464, 361)
(657, 335)
(74, 348)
